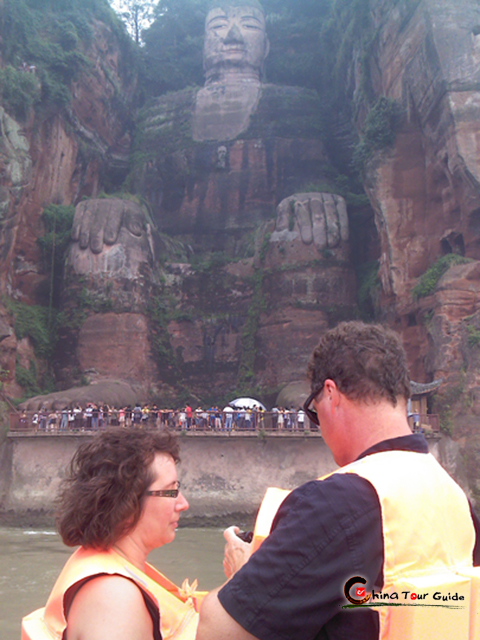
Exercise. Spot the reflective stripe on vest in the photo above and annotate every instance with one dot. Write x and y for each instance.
(178, 614)
(424, 538)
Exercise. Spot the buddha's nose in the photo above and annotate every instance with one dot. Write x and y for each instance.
(234, 36)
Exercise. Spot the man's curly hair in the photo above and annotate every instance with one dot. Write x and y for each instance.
(367, 362)
(102, 496)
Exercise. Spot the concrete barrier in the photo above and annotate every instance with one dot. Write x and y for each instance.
(224, 477)
(221, 476)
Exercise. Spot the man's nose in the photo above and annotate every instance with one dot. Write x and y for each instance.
(234, 36)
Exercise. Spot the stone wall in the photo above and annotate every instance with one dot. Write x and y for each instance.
(219, 475)
(224, 478)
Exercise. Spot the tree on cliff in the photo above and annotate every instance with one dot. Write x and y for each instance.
(174, 44)
(137, 15)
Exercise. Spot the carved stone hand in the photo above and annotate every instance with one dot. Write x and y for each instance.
(320, 218)
(98, 222)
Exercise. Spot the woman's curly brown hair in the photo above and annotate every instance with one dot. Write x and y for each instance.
(102, 496)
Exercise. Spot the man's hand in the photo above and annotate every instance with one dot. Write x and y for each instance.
(237, 552)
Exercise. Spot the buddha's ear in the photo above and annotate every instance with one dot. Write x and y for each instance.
(267, 46)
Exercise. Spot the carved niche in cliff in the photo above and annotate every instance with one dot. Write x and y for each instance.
(214, 163)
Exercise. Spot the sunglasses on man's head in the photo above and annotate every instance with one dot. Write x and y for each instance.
(311, 413)
(164, 493)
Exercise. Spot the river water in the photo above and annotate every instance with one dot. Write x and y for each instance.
(30, 561)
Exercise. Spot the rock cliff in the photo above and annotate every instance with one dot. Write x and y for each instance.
(425, 190)
(237, 253)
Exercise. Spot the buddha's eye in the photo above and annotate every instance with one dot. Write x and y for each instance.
(216, 25)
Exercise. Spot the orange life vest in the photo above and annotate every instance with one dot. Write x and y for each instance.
(428, 543)
(178, 609)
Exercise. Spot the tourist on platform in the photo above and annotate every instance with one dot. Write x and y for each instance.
(275, 418)
(301, 419)
(390, 513)
(280, 418)
(78, 418)
(189, 414)
(137, 415)
(260, 418)
(23, 421)
(198, 418)
(95, 417)
(182, 420)
(64, 419)
(52, 421)
(218, 419)
(120, 500)
(42, 424)
(293, 419)
(228, 418)
(88, 415)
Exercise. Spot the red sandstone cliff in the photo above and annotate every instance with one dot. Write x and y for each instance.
(58, 157)
(425, 191)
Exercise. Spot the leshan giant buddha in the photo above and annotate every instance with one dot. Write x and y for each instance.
(213, 164)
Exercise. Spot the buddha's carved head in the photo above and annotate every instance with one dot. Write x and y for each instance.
(235, 39)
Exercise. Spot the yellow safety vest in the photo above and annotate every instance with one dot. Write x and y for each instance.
(428, 537)
(178, 610)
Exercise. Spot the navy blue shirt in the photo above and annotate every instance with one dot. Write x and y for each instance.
(324, 533)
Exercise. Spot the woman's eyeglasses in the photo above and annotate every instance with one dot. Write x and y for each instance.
(165, 493)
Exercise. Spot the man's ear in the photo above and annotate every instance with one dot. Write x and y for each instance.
(331, 392)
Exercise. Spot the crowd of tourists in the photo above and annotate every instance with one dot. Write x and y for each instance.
(99, 416)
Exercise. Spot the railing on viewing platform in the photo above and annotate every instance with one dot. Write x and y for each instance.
(221, 423)
(254, 422)
(424, 423)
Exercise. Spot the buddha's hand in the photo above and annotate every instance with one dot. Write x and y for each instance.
(98, 222)
(318, 217)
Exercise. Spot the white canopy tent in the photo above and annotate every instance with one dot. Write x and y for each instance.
(246, 403)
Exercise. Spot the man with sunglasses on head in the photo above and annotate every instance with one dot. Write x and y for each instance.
(389, 512)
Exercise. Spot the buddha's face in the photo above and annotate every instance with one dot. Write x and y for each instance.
(235, 38)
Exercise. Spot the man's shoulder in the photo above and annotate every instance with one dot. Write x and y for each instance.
(335, 498)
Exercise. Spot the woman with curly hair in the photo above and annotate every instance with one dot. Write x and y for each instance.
(119, 501)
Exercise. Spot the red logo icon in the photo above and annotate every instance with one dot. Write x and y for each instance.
(361, 592)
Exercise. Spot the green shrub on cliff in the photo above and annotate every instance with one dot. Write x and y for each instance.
(380, 130)
(57, 220)
(27, 379)
(43, 42)
(34, 322)
(427, 283)
(19, 91)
